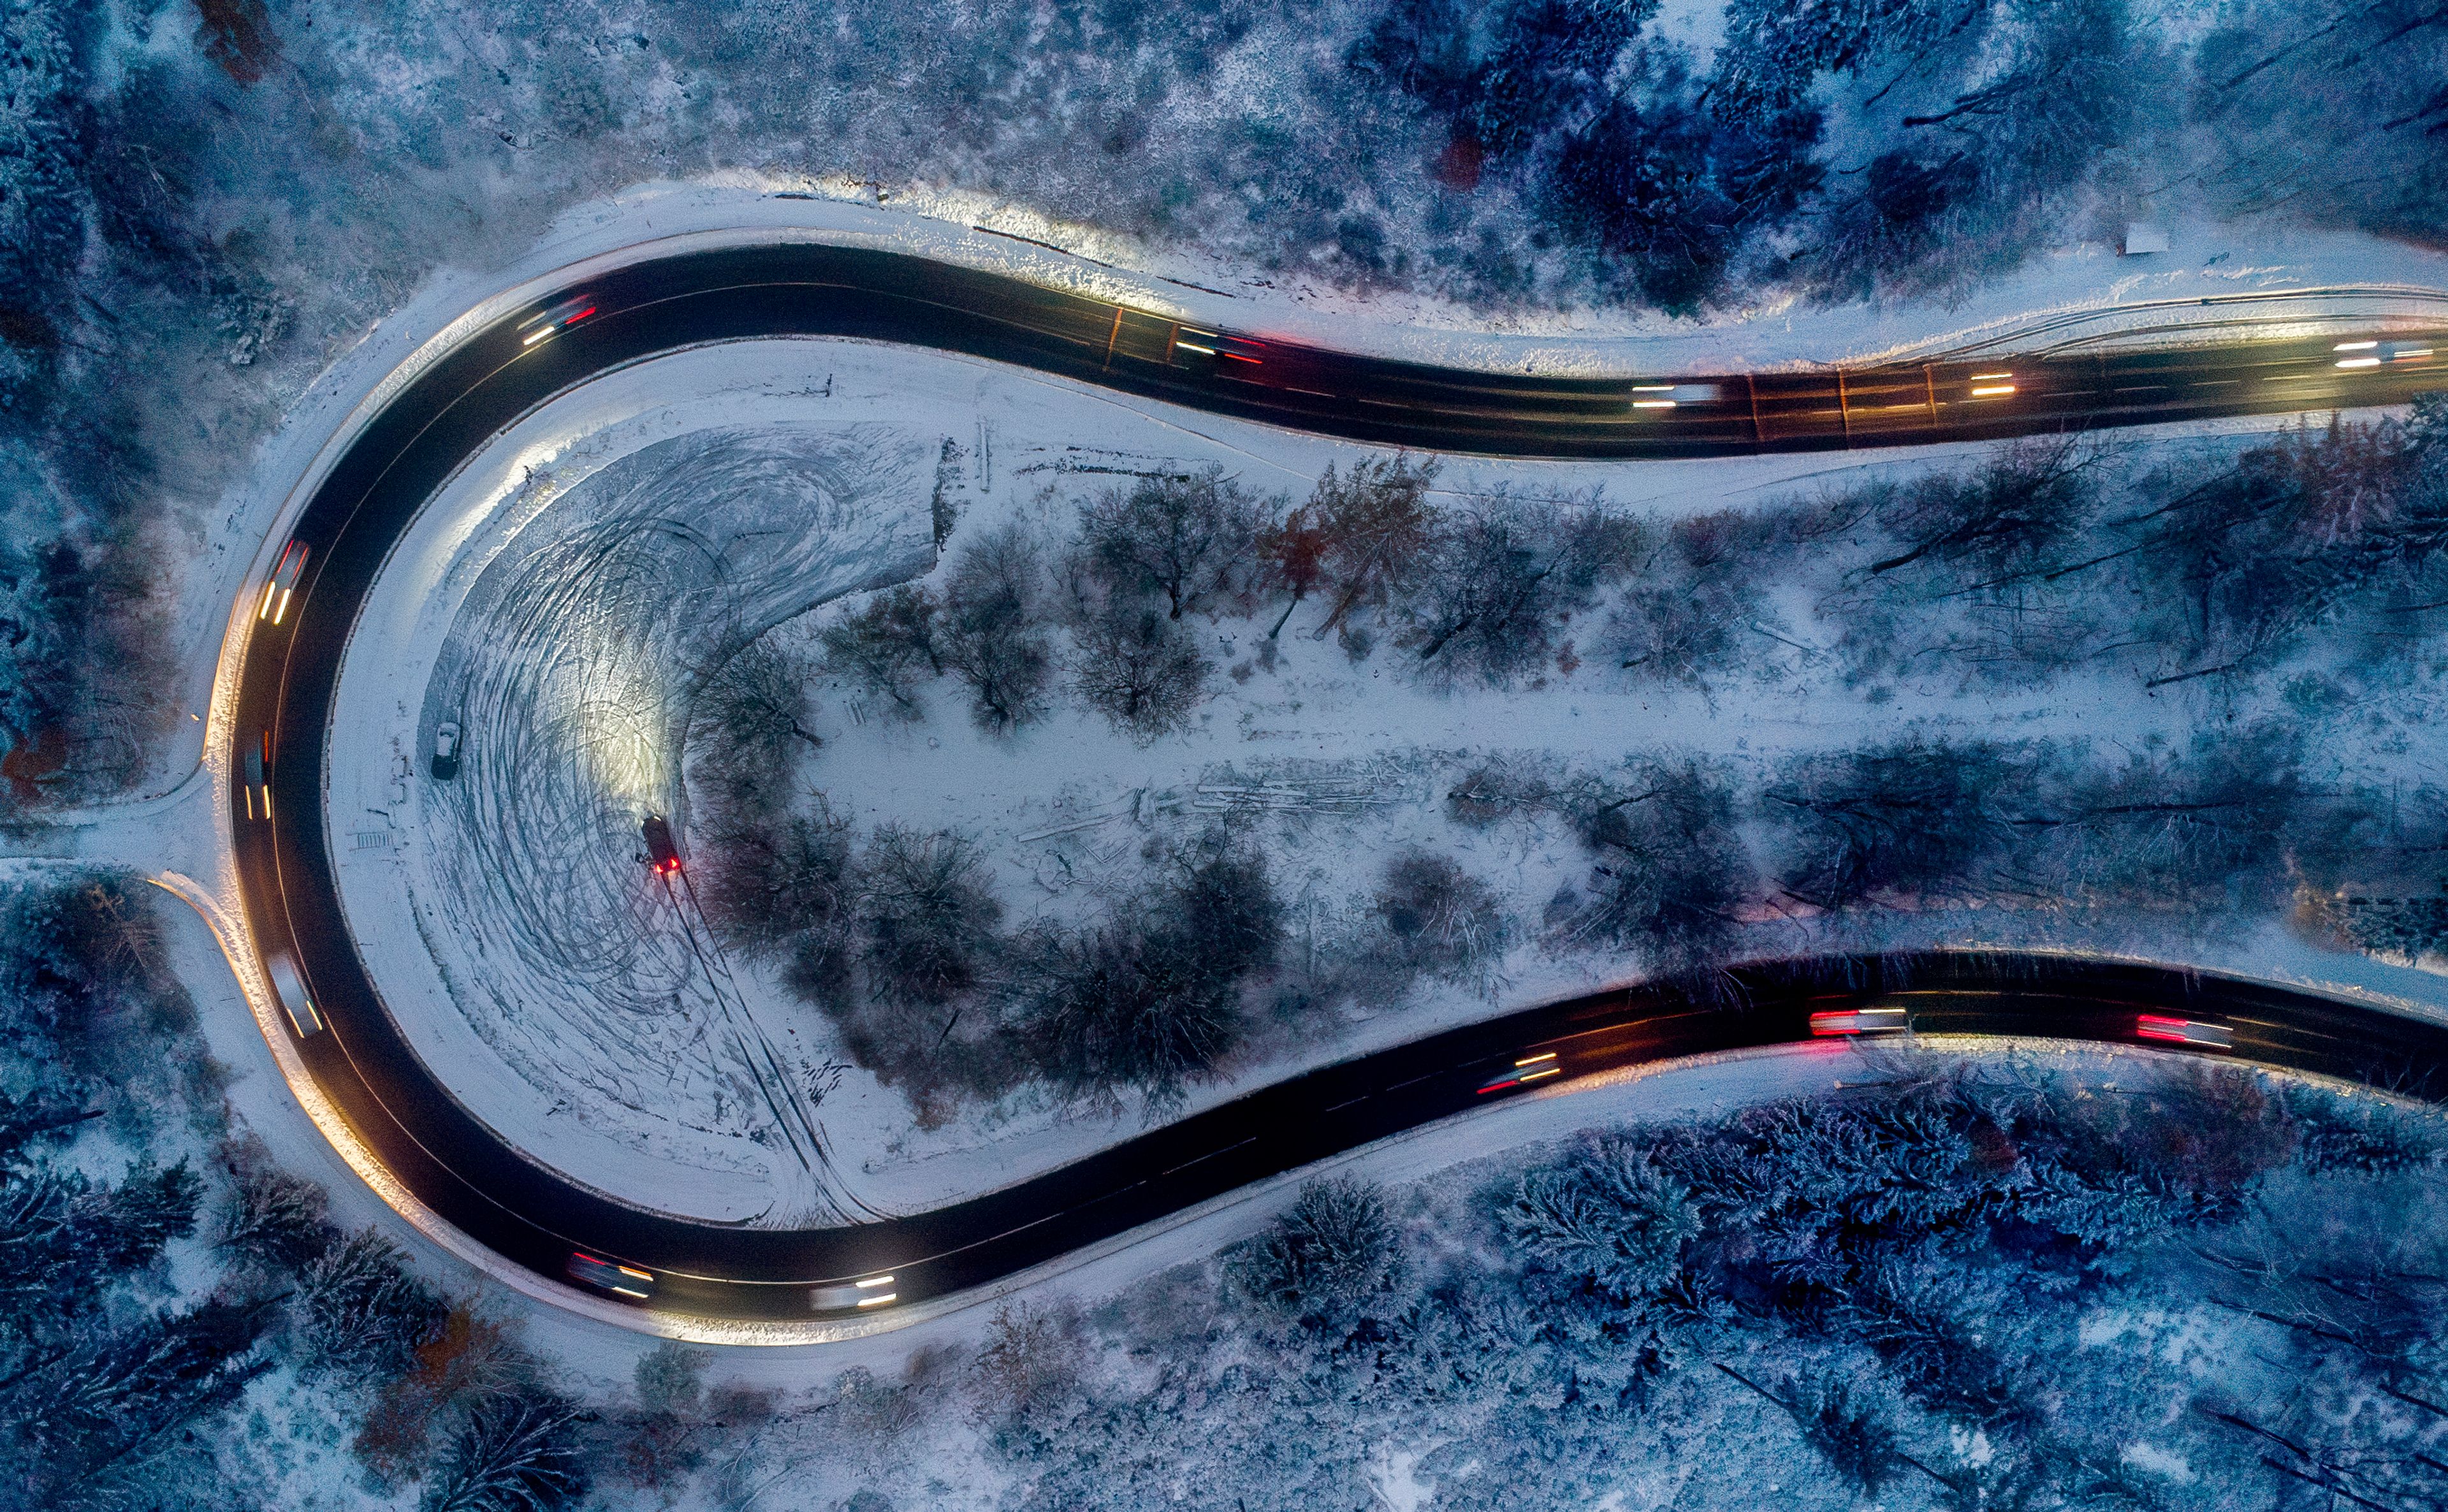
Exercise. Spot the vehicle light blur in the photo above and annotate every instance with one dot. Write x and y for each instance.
(2183, 1031)
(1859, 1020)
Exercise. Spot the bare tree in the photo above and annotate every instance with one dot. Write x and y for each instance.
(749, 723)
(777, 887)
(992, 635)
(1668, 870)
(1907, 818)
(926, 914)
(1500, 575)
(1378, 526)
(1194, 540)
(888, 646)
(1139, 669)
(1694, 613)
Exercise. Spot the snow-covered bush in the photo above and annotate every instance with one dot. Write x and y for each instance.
(1335, 1250)
(926, 916)
(992, 631)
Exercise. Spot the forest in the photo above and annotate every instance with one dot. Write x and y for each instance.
(2026, 1279)
(1970, 1284)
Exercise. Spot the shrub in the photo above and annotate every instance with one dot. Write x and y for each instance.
(1334, 1251)
(1439, 918)
(1192, 540)
(889, 647)
(991, 635)
(1497, 789)
(926, 915)
(1139, 669)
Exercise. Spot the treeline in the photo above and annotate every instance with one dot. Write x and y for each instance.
(1471, 591)
(1947, 1286)
(2048, 557)
(119, 1376)
(106, 279)
(1974, 133)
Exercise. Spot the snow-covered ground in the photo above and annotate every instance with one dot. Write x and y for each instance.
(2264, 275)
(556, 989)
(993, 413)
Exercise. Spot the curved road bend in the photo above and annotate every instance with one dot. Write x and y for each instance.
(519, 1209)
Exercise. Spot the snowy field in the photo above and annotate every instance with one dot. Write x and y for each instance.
(565, 593)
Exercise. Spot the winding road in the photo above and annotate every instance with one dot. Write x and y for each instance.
(466, 1176)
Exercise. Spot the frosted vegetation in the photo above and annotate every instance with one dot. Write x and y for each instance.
(2244, 622)
(2037, 1281)
(199, 205)
(1979, 1284)
(180, 1322)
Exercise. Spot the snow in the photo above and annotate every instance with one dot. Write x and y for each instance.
(977, 405)
(2259, 272)
(571, 1018)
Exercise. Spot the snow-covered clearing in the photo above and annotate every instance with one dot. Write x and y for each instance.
(552, 986)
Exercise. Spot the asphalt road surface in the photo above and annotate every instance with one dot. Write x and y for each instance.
(522, 1211)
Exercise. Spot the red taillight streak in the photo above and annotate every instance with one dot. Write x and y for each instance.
(1238, 357)
(2159, 1026)
(1498, 1086)
(580, 315)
